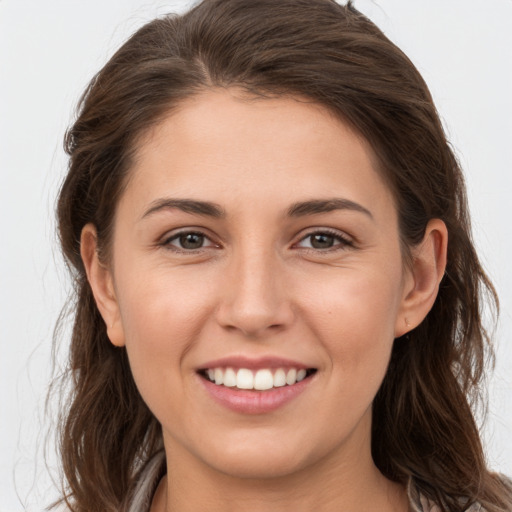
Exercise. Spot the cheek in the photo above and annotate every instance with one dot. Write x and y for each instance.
(354, 316)
(355, 303)
(162, 313)
(162, 305)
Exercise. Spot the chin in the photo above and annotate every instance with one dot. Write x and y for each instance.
(259, 468)
(261, 459)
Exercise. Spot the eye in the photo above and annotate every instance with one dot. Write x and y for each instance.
(324, 240)
(188, 241)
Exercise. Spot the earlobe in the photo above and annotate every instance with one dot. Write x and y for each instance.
(425, 274)
(101, 282)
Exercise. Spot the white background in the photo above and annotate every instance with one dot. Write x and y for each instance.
(50, 49)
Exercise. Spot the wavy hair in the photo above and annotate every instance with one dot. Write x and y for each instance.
(423, 424)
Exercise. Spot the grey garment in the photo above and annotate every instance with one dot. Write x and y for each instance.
(420, 503)
(151, 475)
(148, 481)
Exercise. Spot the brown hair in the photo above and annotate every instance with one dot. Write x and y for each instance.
(423, 426)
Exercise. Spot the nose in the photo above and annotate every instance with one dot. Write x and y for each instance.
(255, 300)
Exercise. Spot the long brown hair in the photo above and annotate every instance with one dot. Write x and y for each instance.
(423, 426)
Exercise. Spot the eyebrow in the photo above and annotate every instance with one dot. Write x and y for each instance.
(186, 205)
(325, 205)
(300, 209)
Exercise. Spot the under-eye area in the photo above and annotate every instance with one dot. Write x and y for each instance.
(258, 380)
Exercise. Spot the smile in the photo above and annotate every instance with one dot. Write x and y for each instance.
(255, 385)
(261, 380)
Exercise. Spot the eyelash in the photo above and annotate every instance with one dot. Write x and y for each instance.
(343, 241)
(167, 242)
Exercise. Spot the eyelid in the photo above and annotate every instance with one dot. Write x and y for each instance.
(165, 240)
(345, 241)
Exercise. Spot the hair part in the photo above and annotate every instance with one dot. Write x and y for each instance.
(423, 426)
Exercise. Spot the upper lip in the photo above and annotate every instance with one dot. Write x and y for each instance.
(254, 363)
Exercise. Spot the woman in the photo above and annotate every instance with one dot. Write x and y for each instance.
(278, 299)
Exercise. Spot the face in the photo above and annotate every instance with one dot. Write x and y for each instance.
(256, 245)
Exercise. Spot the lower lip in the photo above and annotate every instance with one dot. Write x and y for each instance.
(254, 402)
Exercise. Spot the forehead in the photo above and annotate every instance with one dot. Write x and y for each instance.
(225, 145)
(208, 118)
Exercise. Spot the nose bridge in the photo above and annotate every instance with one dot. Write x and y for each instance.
(254, 298)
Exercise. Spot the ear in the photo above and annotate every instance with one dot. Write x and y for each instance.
(423, 277)
(102, 285)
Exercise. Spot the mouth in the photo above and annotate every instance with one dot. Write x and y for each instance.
(261, 379)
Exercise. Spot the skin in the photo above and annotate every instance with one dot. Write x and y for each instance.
(259, 287)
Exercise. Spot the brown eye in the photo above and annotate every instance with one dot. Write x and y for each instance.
(188, 241)
(322, 241)
(191, 241)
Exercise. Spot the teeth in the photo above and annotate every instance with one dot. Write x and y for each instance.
(244, 379)
(301, 375)
(291, 377)
(260, 380)
(279, 378)
(263, 380)
(230, 378)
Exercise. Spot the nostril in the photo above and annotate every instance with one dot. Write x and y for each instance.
(254, 309)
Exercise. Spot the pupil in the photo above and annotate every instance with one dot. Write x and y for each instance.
(322, 241)
(191, 241)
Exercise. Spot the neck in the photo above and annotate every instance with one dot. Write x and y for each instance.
(351, 482)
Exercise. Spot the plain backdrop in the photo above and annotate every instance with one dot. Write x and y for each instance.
(49, 49)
